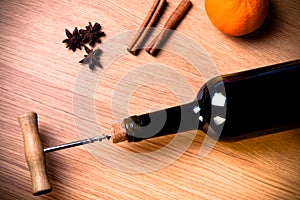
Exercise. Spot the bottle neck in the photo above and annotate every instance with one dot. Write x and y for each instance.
(163, 122)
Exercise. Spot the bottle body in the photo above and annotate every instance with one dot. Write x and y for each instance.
(233, 106)
(261, 101)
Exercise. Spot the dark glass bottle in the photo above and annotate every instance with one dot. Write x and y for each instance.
(234, 106)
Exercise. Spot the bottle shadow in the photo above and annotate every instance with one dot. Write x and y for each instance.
(260, 133)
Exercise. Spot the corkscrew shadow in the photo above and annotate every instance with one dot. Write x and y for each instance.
(53, 161)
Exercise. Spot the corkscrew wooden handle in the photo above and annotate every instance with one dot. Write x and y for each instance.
(34, 153)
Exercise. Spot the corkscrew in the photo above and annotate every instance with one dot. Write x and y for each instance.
(34, 151)
(262, 100)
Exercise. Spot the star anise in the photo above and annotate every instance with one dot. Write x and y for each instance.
(92, 58)
(74, 41)
(91, 34)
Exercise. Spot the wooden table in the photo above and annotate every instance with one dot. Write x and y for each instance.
(39, 74)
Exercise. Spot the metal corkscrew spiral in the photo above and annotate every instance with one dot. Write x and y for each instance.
(77, 143)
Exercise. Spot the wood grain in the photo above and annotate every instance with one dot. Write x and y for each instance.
(39, 74)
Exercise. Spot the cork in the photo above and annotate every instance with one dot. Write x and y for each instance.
(118, 133)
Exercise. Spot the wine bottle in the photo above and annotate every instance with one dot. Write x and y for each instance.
(234, 106)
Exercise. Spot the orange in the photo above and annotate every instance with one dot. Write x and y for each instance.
(237, 17)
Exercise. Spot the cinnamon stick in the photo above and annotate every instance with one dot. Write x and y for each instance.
(151, 18)
(171, 23)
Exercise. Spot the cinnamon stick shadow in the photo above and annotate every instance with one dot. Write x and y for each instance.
(145, 30)
(171, 25)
